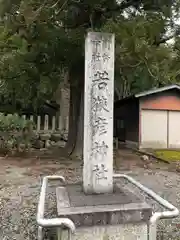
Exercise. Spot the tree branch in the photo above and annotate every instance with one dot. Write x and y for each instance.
(125, 4)
(164, 40)
(18, 75)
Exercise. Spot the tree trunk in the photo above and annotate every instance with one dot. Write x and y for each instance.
(74, 144)
(78, 149)
(61, 97)
(64, 107)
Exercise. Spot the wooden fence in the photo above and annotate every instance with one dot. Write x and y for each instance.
(48, 123)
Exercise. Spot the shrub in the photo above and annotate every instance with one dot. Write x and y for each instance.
(15, 132)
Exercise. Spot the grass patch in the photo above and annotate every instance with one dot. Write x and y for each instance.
(168, 155)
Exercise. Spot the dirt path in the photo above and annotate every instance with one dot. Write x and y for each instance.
(20, 182)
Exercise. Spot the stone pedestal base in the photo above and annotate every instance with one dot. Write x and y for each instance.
(117, 232)
(120, 215)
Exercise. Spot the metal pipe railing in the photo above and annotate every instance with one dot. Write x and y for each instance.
(65, 222)
(172, 210)
(54, 222)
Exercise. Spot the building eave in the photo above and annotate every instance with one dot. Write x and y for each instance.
(157, 90)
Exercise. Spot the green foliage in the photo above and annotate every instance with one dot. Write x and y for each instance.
(15, 131)
(39, 39)
(141, 61)
(13, 122)
(168, 155)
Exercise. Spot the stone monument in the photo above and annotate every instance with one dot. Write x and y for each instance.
(101, 208)
(98, 113)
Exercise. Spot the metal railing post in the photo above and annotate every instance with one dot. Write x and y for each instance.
(54, 222)
(65, 222)
(171, 213)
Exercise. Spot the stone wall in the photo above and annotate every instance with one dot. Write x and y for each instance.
(46, 140)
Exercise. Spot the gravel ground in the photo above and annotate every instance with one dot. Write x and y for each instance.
(20, 183)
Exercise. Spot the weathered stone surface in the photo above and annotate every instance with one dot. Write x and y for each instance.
(98, 113)
(45, 136)
(119, 232)
(47, 143)
(38, 144)
(64, 136)
(120, 207)
(60, 144)
(22, 146)
(56, 137)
